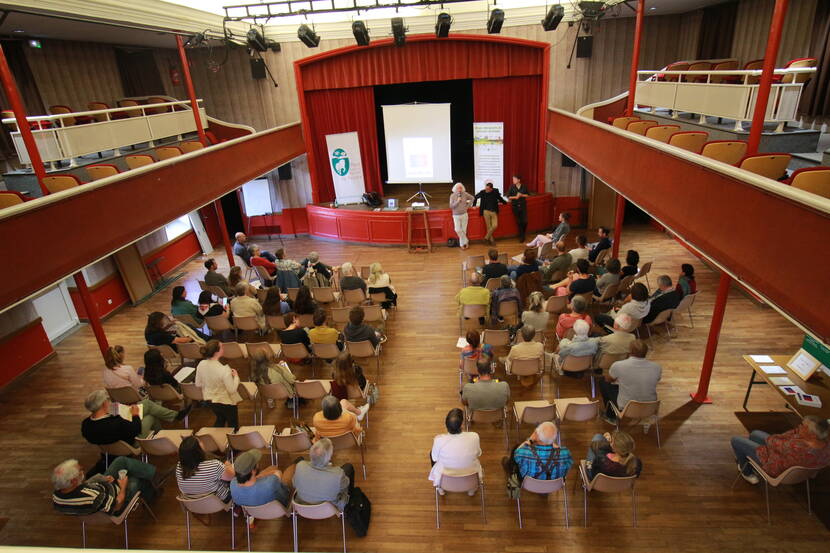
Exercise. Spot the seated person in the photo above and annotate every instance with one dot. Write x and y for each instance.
(493, 268)
(528, 348)
(380, 282)
(235, 279)
(243, 305)
(536, 316)
(540, 457)
(632, 260)
(215, 278)
(332, 420)
(475, 350)
(348, 374)
(358, 331)
(686, 281)
(265, 370)
(197, 475)
(321, 333)
(578, 346)
(580, 281)
(257, 259)
(209, 308)
(807, 445)
(102, 428)
(485, 394)
(632, 379)
(611, 276)
(107, 493)
(474, 294)
(579, 308)
(293, 333)
(665, 297)
(274, 304)
(252, 487)
(240, 248)
(636, 306)
(455, 453)
(117, 374)
(613, 454)
(304, 304)
(559, 233)
(619, 341)
(313, 260)
(284, 264)
(349, 279)
(581, 249)
(155, 370)
(604, 243)
(504, 293)
(317, 480)
(529, 264)
(161, 331)
(560, 264)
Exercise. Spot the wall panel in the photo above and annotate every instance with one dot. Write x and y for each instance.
(752, 28)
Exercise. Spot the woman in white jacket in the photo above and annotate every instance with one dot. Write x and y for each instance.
(219, 385)
(455, 453)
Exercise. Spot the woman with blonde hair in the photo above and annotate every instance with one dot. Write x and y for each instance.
(613, 454)
(381, 282)
(536, 316)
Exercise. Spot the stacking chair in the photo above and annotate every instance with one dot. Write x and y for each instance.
(170, 355)
(645, 269)
(213, 439)
(576, 409)
(608, 295)
(167, 394)
(365, 350)
(316, 511)
(126, 395)
(9, 198)
(686, 303)
(812, 179)
(101, 171)
(119, 520)
(191, 146)
(235, 350)
(244, 324)
(622, 122)
(295, 352)
(206, 505)
(607, 484)
(493, 284)
(325, 352)
(250, 273)
(533, 412)
(472, 314)
(543, 487)
(625, 286)
(348, 440)
(253, 437)
(662, 318)
(637, 410)
(496, 338)
(727, 151)
(772, 166)
(640, 127)
(464, 483)
(556, 305)
(545, 251)
(190, 350)
(271, 351)
(533, 366)
(118, 449)
(189, 320)
(163, 443)
(270, 511)
(296, 442)
(139, 160)
(292, 293)
(488, 416)
(325, 295)
(793, 475)
(59, 183)
(577, 364)
(607, 359)
(274, 392)
(469, 369)
(312, 389)
(373, 314)
(689, 140)
(340, 316)
(192, 392)
(354, 297)
(662, 133)
(509, 311)
(275, 322)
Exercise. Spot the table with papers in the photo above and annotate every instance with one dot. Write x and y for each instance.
(774, 372)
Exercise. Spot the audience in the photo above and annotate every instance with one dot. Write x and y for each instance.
(529, 264)
(358, 331)
(265, 370)
(108, 493)
(257, 259)
(274, 305)
(807, 445)
(612, 454)
(635, 306)
(632, 260)
(632, 379)
(219, 384)
(250, 487)
(333, 420)
(304, 304)
(619, 341)
(578, 346)
(484, 393)
(474, 294)
(349, 279)
(686, 283)
(559, 265)
(102, 428)
(313, 261)
(504, 293)
(559, 233)
(578, 312)
(604, 243)
(493, 268)
(536, 316)
(214, 278)
(243, 305)
(540, 457)
(198, 475)
(155, 370)
(209, 308)
(611, 276)
(180, 305)
(322, 333)
(475, 350)
(284, 264)
(317, 480)
(581, 249)
(665, 297)
(455, 453)
(240, 248)
(381, 282)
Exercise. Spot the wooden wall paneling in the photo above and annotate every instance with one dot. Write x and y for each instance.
(167, 59)
(133, 272)
(602, 206)
(752, 28)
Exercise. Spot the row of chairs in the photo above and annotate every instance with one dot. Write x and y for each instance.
(730, 65)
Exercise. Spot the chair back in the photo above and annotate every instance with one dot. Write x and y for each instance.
(247, 440)
(698, 66)
(542, 486)
(205, 505)
(261, 294)
(794, 475)
(262, 273)
(323, 294)
(581, 412)
(340, 315)
(139, 160)
(622, 122)
(692, 141)
(354, 297)
(463, 483)
(158, 446)
(347, 440)
(612, 484)
(812, 179)
(317, 511)
(557, 304)
(264, 347)
(119, 448)
(503, 258)
(474, 261)
(310, 389)
(360, 349)
(233, 350)
(325, 351)
(295, 351)
(600, 259)
(167, 152)
(727, 151)
(545, 251)
(246, 323)
(159, 109)
(277, 392)
(95, 106)
(686, 302)
(96, 172)
(189, 320)
(487, 415)
(129, 112)
(60, 183)
(496, 338)
(61, 110)
(509, 309)
(608, 294)
(292, 293)
(608, 359)
(165, 392)
(772, 166)
(575, 364)
(727, 65)
(661, 317)
(126, 395)
(474, 311)
(799, 77)
(270, 511)
(192, 392)
(640, 127)
(470, 367)
(676, 66)
(373, 313)
(536, 415)
(190, 350)
(292, 443)
(171, 355)
(625, 285)
(9, 198)
(526, 367)
(662, 133)
(493, 284)
(213, 439)
(275, 322)
(192, 146)
(645, 269)
(641, 409)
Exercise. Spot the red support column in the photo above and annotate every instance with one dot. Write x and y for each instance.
(226, 239)
(619, 214)
(13, 96)
(773, 41)
(635, 57)
(191, 92)
(702, 394)
(91, 312)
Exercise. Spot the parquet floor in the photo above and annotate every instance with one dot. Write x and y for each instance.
(683, 497)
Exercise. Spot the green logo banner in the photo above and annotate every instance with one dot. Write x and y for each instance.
(818, 350)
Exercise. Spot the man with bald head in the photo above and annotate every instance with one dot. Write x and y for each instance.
(540, 457)
(474, 294)
(240, 248)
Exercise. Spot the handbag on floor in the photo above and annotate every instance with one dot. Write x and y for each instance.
(358, 512)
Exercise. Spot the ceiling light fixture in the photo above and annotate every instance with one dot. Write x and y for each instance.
(307, 36)
(495, 22)
(553, 17)
(398, 31)
(361, 33)
(442, 25)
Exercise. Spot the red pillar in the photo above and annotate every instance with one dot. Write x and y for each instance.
(702, 394)
(13, 96)
(773, 41)
(619, 214)
(91, 312)
(224, 230)
(191, 92)
(635, 57)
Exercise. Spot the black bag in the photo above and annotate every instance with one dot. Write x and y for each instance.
(452, 242)
(372, 199)
(359, 512)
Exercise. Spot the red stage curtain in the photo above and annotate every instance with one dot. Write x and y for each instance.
(339, 111)
(515, 101)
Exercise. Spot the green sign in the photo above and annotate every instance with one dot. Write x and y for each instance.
(817, 350)
(340, 162)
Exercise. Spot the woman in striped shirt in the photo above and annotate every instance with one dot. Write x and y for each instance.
(197, 475)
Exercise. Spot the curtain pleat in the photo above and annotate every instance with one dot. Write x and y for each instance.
(816, 97)
(717, 31)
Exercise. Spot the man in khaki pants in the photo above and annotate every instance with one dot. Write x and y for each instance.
(489, 209)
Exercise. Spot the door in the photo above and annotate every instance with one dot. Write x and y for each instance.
(199, 229)
(56, 311)
(210, 220)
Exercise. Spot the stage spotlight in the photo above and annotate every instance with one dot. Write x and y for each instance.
(398, 31)
(442, 26)
(554, 16)
(495, 22)
(307, 36)
(256, 41)
(361, 33)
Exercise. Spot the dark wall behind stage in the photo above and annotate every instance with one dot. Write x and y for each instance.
(457, 93)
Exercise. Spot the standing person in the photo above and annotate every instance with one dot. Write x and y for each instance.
(489, 209)
(460, 201)
(516, 195)
(219, 383)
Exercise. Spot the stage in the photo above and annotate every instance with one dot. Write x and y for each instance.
(402, 192)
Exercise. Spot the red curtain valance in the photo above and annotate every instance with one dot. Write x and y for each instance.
(423, 58)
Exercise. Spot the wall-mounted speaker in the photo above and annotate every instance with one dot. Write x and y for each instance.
(257, 68)
(584, 46)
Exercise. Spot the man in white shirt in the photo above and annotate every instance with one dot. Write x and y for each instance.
(581, 250)
(632, 379)
(455, 453)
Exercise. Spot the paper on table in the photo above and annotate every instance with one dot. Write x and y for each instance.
(781, 381)
(462, 342)
(773, 369)
(761, 358)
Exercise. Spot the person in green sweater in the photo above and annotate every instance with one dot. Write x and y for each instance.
(180, 305)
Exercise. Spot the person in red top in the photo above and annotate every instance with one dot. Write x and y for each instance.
(807, 445)
(578, 312)
(257, 259)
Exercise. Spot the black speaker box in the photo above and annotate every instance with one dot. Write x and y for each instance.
(284, 171)
(257, 68)
(584, 45)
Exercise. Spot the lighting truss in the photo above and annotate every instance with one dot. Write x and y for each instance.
(287, 8)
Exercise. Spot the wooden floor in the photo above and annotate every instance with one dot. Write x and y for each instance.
(684, 502)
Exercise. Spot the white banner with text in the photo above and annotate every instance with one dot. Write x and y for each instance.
(488, 154)
(346, 168)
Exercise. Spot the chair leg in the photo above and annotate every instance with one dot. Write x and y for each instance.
(437, 516)
(343, 528)
(126, 535)
(248, 532)
(584, 506)
(363, 461)
(766, 496)
(565, 500)
(83, 534)
(294, 525)
(187, 524)
(809, 506)
(634, 505)
(519, 509)
(233, 531)
(657, 428)
(483, 511)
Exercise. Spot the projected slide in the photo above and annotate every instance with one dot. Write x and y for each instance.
(418, 143)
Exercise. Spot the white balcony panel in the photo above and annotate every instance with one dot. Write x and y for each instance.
(713, 99)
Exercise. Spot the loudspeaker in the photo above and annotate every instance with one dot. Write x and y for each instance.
(584, 46)
(284, 171)
(567, 162)
(257, 68)
(495, 22)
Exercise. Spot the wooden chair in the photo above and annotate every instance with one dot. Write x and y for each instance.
(9, 198)
(472, 315)
(126, 395)
(622, 122)
(59, 183)
(533, 366)
(488, 416)
(463, 483)
(645, 269)
(607, 484)
(791, 476)
(292, 443)
(662, 133)
(325, 295)
(575, 409)
(637, 410)
(354, 297)
(191, 146)
(772, 166)
(340, 316)
(170, 355)
(139, 160)
(533, 412)
(542, 487)
(365, 350)
(168, 152)
(727, 151)
(163, 443)
(253, 437)
(640, 127)
(577, 364)
(662, 318)
(276, 393)
(118, 449)
(812, 179)
(101, 171)
(689, 140)
(348, 440)
(213, 439)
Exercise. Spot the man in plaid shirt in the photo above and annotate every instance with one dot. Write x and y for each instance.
(540, 457)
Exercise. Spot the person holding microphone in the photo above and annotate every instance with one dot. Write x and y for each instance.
(460, 201)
